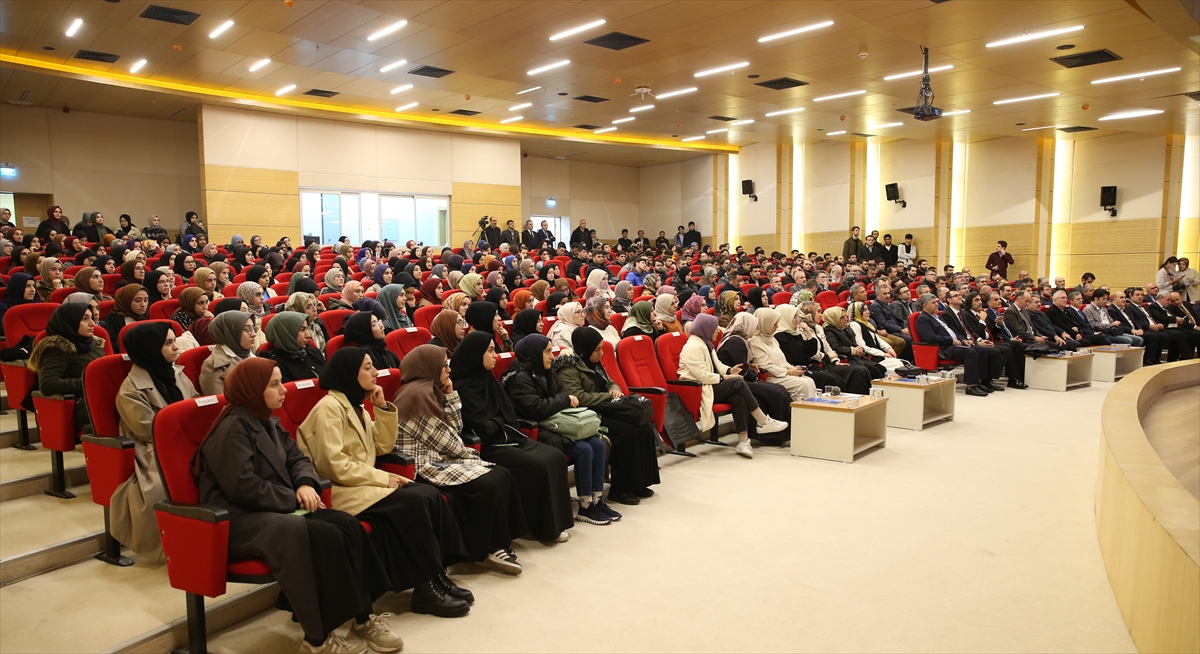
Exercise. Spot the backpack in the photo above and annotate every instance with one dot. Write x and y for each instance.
(678, 423)
(576, 424)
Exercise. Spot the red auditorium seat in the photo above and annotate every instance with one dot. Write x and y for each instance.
(618, 321)
(192, 361)
(782, 297)
(636, 361)
(334, 318)
(21, 321)
(60, 295)
(403, 341)
(827, 299)
(163, 309)
(110, 282)
(107, 455)
(423, 317)
(230, 290)
(668, 347)
(333, 345)
(925, 355)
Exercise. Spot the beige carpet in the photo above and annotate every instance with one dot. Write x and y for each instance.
(972, 536)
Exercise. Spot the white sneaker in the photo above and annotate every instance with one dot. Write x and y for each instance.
(563, 537)
(772, 426)
(378, 634)
(503, 560)
(743, 448)
(335, 644)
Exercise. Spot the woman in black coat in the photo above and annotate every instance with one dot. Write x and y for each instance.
(366, 330)
(773, 399)
(803, 344)
(59, 358)
(837, 332)
(326, 567)
(291, 348)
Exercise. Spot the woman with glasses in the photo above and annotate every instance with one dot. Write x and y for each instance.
(233, 332)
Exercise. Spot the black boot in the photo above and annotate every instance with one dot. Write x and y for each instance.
(454, 590)
(430, 598)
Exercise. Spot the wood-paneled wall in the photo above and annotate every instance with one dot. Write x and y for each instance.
(980, 242)
(470, 202)
(1120, 253)
(249, 201)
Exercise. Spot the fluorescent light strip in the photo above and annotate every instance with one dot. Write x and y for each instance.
(401, 89)
(259, 64)
(641, 108)
(936, 69)
(717, 131)
(528, 90)
(393, 65)
(289, 87)
(672, 94)
(517, 107)
(839, 95)
(75, 27)
(1137, 75)
(785, 111)
(623, 120)
(387, 30)
(406, 107)
(887, 125)
(801, 30)
(741, 122)
(563, 35)
(692, 138)
(1034, 129)
(714, 71)
(1028, 97)
(220, 30)
(547, 67)
(511, 120)
(606, 129)
(1133, 114)
(1034, 35)
(137, 66)
(836, 133)
(955, 113)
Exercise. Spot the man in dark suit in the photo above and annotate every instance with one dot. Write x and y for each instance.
(902, 306)
(931, 329)
(1160, 311)
(1185, 321)
(997, 332)
(870, 251)
(491, 233)
(881, 314)
(530, 238)
(1071, 321)
(641, 241)
(545, 236)
(1151, 339)
(955, 316)
(1019, 319)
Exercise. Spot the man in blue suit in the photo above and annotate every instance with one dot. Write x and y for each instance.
(931, 329)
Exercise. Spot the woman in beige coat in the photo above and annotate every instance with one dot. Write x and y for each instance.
(413, 528)
(234, 333)
(153, 383)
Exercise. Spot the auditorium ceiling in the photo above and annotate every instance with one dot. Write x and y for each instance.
(469, 65)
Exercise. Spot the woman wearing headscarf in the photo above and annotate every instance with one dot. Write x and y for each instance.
(483, 495)
(392, 300)
(622, 300)
(323, 560)
(352, 292)
(757, 298)
(59, 358)
(549, 272)
(158, 285)
(488, 414)
(494, 279)
(129, 306)
(650, 284)
(206, 281)
(468, 249)
(727, 307)
(633, 456)
(193, 304)
(306, 303)
(734, 350)
(457, 302)
(570, 317)
(683, 279)
(85, 258)
(564, 286)
(233, 332)
(448, 330)
(21, 289)
(843, 341)
(51, 271)
(877, 349)
(537, 395)
(153, 382)
(528, 269)
(499, 297)
(221, 272)
(484, 317)
(598, 279)
(598, 315)
(185, 265)
(17, 261)
(335, 279)
(90, 280)
(430, 292)
(291, 348)
(365, 330)
(692, 308)
(665, 307)
(768, 356)
(261, 276)
(641, 322)
(525, 323)
(414, 530)
(722, 384)
(251, 294)
(105, 264)
(553, 302)
(470, 285)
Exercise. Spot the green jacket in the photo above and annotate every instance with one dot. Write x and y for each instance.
(579, 380)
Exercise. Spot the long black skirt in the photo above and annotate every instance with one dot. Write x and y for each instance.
(852, 379)
(540, 473)
(415, 533)
(775, 401)
(488, 511)
(634, 456)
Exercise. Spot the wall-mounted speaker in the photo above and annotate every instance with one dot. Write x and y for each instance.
(747, 187)
(893, 192)
(1108, 196)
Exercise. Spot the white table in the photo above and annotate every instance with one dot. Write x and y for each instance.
(1058, 373)
(837, 432)
(914, 404)
(1112, 364)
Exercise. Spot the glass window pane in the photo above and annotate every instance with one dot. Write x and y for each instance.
(433, 214)
(370, 216)
(397, 218)
(331, 217)
(310, 213)
(350, 218)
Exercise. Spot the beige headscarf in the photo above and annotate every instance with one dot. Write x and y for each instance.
(743, 325)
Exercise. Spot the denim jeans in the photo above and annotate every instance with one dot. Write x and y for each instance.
(1128, 339)
(589, 459)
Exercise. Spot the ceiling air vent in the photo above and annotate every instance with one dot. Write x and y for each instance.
(430, 71)
(781, 83)
(321, 93)
(92, 55)
(464, 112)
(1194, 95)
(1077, 128)
(170, 15)
(591, 98)
(938, 2)
(866, 136)
(724, 118)
(617, 41)
(585, 126)
(1086, 59)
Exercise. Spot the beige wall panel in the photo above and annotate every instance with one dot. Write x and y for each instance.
(911, 164)
(412, 154)
(24, 137)
(665, 216)
(336, 181)
(429, 187)
(1001, 182)
(827, 163)
(249, 139)
(84, 141)
(470, 202)
(1116, 271)
(481, 160)
(759, 163)
(467, 193)
(548, 178)
(1189, 238)
(831, 242)
(268, 214)
(1131, 162)
(248, 180)
(606, 196)
(334, 147)
(139, 195)
(1120, 253)
(536, 206)
(697, 193)
(661, 198)
(29, 179)
(664, 183)
(980, 242)
(922, 238)
(764, 241)
(827, 208)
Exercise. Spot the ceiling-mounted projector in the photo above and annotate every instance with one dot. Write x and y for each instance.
(925, 109)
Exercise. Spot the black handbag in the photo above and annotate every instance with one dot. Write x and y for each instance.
(633, 409)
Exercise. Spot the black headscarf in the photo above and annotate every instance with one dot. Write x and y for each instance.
(482, 397)
(239, 258)
(150, 281)
(529, 352)
(144, 347)
(585, 341)
(102, 261)
(493, 295)
(82, 257)
(524, 324)
(227, 304)
(405, 280)
(546, 268)
(357, 331)
(181, 259)
(480, 316)
(552, 302)
(755, 297)
(65, 321)
(254, 272)
(512, 279)
(341, 374)
(302, 283)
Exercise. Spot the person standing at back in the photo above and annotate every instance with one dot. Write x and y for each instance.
(692, 236)
(999, 261)
(582, 236)
(851, 245)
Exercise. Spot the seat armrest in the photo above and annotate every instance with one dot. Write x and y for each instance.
(326, 491)
(202, 512)
(690, 392)
(397, 463)
(684, 382)
(109, 462)
(525, 423)
(472, 441)
(195, 540)
(648, 390)
(56, 398)
(112, 442)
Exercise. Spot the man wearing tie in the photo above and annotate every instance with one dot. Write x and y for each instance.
(545, 236)
(998, 331)
(993, 357)
(931, 329)
(1119, 310)
(529, 238)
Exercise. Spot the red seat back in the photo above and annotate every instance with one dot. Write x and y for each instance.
(618, 321)
(110, 282)
(638, 363)
(193, 360)
(403, 341)
(26, 320)
(334, 318)
(782, 297)
(669, 346)
(333, 345)
(547, 323)
(448, 293)
(609, 362)
(163, 309)
(389, 381)
(280, 287)
(273, 302)
(504, 361)
(826, 299)
(174, 327)
(230, 290)
(423, 317)
(105, 307)
(60, 295)
(179, 430)
(102, 379)
(301, 397)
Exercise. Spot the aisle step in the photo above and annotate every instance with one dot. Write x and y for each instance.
(27, 472)
(41, 561)
(8, 429)
(36, 522)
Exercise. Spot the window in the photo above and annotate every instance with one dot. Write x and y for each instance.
(329, 215)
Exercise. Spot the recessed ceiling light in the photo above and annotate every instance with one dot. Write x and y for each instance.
(576, 30)
(887, 125)
(220, 30)
(714, 71)
(622, 120)
(259, 64)
(289, 87)
(393, 66)
(1133, 114)
(836, 133)
(784, 111)
(606, 129)
(839, 95)
(717, 131)
(1137, 75)
(672, 94)
(642, 108)
(692, 138)
(401, 89)
(914, 73)
(1034, 35)
(517, 107)
(1034, 129)
(801, 30)
(75, 27)
(741, 122)
(406, 107)
(137, 66)
(547, 67)
(387, 30)
(528, 90)
(511, 120)
(1028, 97)
(955, 113)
